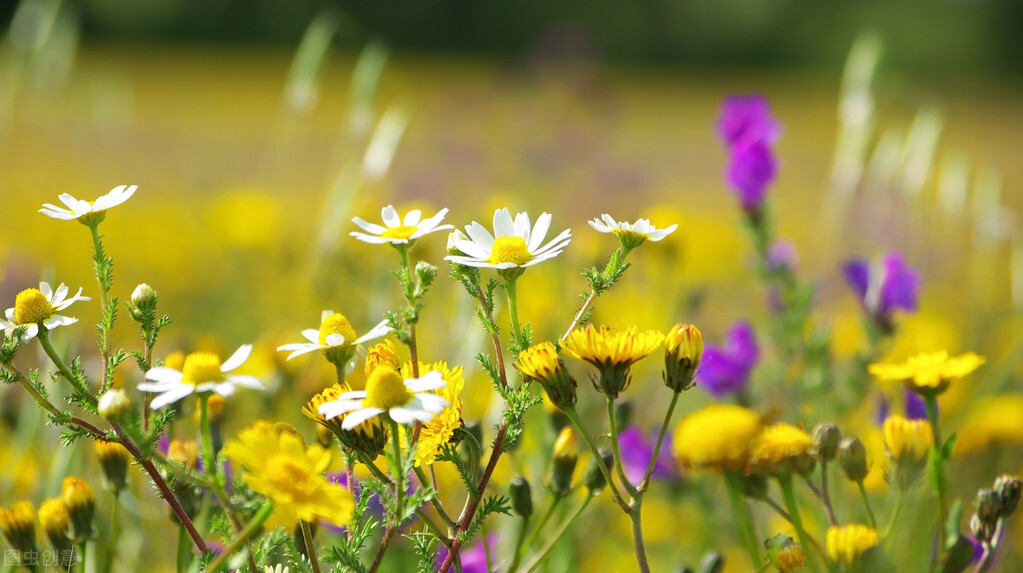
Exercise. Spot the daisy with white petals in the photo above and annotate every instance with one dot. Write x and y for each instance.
(631, 235)
(513, 244)
(34, 307)
(404, 401)
(336, 338)
(399, 231)
(201, 372)
(80, 208)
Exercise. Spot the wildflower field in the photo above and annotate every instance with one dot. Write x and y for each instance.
(378, 312)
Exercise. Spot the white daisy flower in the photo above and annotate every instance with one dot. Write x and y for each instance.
(513, 244)
(641, 227)
(33, 307)
(201, 372)
(336, 338)
(405, 401)
(78, 207)
(398, 231)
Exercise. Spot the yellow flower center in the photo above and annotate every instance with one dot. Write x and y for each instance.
(31, 306)
(285, 474)
(201, 367)
(399, 232)
(385, 389)
(337, 323)
(510, 250)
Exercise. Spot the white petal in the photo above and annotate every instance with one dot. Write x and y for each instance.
(412, 218)
(599, 226)
(246, 381)
(427, 225)
(335, 408)
(480, 235)
(368, 227)
(375, 240)
(225, 389)
(470, 262)
(503, 226)
(379, 330)
(58, 295)
(157, 386)
(432, 380)
(432, 402)
(164, 375)
(44, 288)
(558, 242)
(334, 339)
(408, 415)
(390, 216)
(353, 395)
(30, 332)
(357, 417)
(237, 359)
(543, 224)
(171, 396)
(58, 320)
(324, 315)
(522, 226)
(77, 206)
(475, 250)
(57, 213)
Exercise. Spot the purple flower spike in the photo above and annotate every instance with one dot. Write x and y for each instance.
(916, 408)
(637, 450)
(726, 369)
(782, 255)
(746, 118)
(883, 288)
(474, 559)
(751, 169)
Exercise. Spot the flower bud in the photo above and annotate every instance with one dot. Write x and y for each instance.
(521, 496)
(144, 297)
(113, 403)
(623, 415)
(755, 485)
(784, 554)
(988, 506)
(56, 522)
(425, 273)
(852, 456)
(18, 524)
(981, 530)
(541, 362)
(1008, 489)
(566, 454)
(593, 478)
(113, 460)
(825, 441)
(683, 349)
(453, 238)
(81, 506)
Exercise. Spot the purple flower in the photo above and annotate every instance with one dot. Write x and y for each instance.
(885, 287)
(474, 559)
(637, 450)
(746, 118)
(751, 169)
(782, 255)
(916, 408)
(725, 369)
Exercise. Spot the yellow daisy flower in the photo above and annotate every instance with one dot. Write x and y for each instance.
(782, 448)
(278, 465)
(718, 436)
(846, 543)
(439, 431)
(613, 352)
(928, 372)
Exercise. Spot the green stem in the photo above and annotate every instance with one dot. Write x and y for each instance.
(866, 504)
(206, 437)
(437, 505)
(519, 543)
(660, 441)
(744, 521)
(895, 515)
(574, 417)
(557, 535)
(826, 495)
(937, 464)
(184, 550)
(579, 315)
(44, 339)
(513, 308)
(242, 537)
(104, 276)
(85, 556)
(410, 299)
(637, 536)
(797, 521)
(399, 486)
(310, 549)
(613, 424)
(112, 542)
(543, 521)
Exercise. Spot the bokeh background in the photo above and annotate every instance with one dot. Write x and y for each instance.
(256, 130)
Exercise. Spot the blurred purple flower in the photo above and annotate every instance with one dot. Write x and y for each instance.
(474, 559)
(637, 450)
(916, 408)
(746, 118)
(884, 287)
(725, 369)
(782, 255)
(751, 169)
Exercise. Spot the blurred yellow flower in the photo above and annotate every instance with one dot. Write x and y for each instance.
(907, 438)
(928, 372)
(278, 465)
(18, 524)
(782, 448)
(996, 420)
(612, 351)
(439, 431)
(846, 543)
(718, 436)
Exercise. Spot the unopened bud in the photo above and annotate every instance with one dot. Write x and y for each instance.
(113, 403)
(755, 486)
(825, 441)
(683, 350)
(81, 506)
(784, 554)
(113, 460)
(425, 273)
(989, 506)
(453, 238)
(521, 496)
(56, 522)
(142, 306)
(981, 530)
(1008, 488)
(593, 478)
(623, 414)
(18, 524)
(566, 454)
(852, 456)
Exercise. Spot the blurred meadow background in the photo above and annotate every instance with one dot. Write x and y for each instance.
(255, 131)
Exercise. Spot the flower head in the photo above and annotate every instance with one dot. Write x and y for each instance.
(847, 543)
(514, 244)
(201, 372)
(336, 338)
(113, 460)
(783, 449)
(613, 352)
(630, 235)
(278, 464)
(80, 502)
(88, 213)
(399, 231)
(56, 523)
(746, 118)
(34, 307)
(726, 369)
(368, 437)
(883, 287)
(928, 372)
(683, 350)
(441, 429)
(718, 436)
(541, 362)
(18, 524)
(751, 170)
(749, 132)
(637, 449)
(404, 400)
